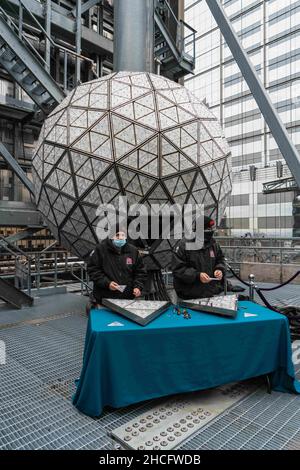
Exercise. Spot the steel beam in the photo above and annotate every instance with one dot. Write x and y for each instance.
(167, 36)
(62, 25)
(13, 108)
(280, 186)
(260, 94)
(15, 167)
(31, 62)
(48, 31)
(86, 6)
(134, 35)
(18, 214)
(21, 235)
(14, 296)
(78, 41)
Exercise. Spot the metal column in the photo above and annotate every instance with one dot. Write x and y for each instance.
(134, 35)
(78, 40)
(18, 89)
(260, 94)
(48, 10)
(16, 168)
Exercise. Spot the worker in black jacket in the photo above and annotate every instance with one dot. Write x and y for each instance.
(193, 270)
(114, 264)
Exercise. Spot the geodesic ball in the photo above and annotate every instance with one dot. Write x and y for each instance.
(134, 134)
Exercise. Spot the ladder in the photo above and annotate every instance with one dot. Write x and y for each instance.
(25, 68)
(171, 48)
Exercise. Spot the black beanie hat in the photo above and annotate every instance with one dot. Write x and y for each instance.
(118, 227)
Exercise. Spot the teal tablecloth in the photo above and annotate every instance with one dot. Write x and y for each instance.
(129, 363)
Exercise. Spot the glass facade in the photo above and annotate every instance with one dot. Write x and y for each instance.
(270, 33)
(19, 139)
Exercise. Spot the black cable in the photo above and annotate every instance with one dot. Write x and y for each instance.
(238, 277)
(281, 285)
(266, 302)
(291, 313)
(265, 288)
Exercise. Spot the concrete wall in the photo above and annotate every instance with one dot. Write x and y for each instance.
(269, 272)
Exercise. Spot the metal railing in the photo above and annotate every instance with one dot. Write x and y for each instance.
(56, 50)
(21, 260)
(36, 269)
(83, 278)
(182, 33)
(261, 250)
(40, 269)
(187, 36)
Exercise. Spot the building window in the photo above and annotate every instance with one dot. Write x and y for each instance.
(275, 198)
(241, 223)
(275, 222)
(239, 200)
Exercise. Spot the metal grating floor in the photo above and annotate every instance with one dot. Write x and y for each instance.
(44, 358)
(44, 307)
(287, 295)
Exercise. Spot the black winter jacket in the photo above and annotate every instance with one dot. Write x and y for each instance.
(125, 266)
(187, 266)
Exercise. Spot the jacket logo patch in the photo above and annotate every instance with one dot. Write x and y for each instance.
(212, 253)
(129, 261)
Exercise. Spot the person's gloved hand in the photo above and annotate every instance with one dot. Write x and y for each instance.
(137, 292)
(218, 274)
(204, 278)
(114, 286)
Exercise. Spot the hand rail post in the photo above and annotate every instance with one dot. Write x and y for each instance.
(38, 271)
(251, 278)
(55, 269)
(29, 277)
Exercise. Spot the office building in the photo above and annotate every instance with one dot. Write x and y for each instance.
(269, 32)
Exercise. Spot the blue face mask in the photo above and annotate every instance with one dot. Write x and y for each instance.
(119, 243)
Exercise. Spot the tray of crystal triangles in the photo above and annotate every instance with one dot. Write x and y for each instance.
(224, 305)
(140, 311)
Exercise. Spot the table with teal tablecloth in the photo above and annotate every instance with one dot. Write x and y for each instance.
(125, 363)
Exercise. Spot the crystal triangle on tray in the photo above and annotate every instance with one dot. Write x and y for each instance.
(224, 305)
(139, 311)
